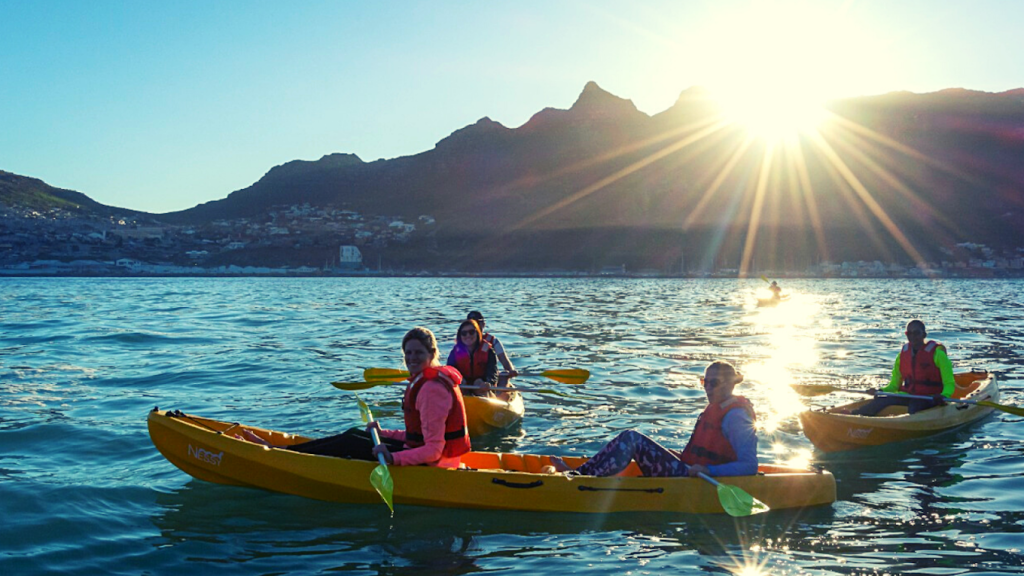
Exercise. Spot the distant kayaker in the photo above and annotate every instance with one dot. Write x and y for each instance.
(921, 369)
(474, 358)
(723, 442)
(435, 431)
(499, 350)
(776, 290)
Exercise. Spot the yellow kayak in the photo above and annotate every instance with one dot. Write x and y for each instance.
(207, 450)
(835, 429)
(485, 415)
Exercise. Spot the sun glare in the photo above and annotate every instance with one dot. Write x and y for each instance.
(772, 65)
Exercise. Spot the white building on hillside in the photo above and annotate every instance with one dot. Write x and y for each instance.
(350, 258)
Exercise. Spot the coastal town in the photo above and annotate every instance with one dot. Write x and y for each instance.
(293, 239)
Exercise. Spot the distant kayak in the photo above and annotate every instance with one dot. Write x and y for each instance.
(769, 302)
(486, 415)
(835, 429)
(206, 449)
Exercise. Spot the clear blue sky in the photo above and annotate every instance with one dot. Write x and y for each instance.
(159, 106)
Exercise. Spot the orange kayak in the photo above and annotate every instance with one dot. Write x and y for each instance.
(835, 429)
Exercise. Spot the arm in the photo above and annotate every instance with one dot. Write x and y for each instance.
(491, 372)
(451, 358)
(434, 403)
(738, 428)
(503, 357)
(895, 380)
(946, 369)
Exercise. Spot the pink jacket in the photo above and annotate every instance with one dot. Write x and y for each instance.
(433, 402)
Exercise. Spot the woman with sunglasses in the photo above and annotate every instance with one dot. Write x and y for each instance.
(474, 358)
(723, 442)
(921, 369)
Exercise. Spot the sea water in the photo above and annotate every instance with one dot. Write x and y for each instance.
(82, 361)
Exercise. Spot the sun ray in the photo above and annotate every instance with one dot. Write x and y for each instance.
(865, 196)
(618, 175)
(755, 211)
(807, 190)
(719, 180)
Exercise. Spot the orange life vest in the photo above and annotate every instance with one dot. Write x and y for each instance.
(708, 445)
(919, 372)
(456, 434)
(472, 366)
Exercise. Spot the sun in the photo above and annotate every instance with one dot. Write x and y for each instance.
(773, 65)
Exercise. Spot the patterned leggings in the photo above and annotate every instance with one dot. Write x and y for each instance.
(653, 458)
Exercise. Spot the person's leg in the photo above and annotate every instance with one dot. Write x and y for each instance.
(653, 458)
(353, 443)
(878, 404)
(917, 404)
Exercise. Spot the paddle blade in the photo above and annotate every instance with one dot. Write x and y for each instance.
(380, 479)
(1008, 409)
(738, 502)
(765, 279)
(813, 389)
(364, 410)
(385, 374)
(568, 375)
(359, 385)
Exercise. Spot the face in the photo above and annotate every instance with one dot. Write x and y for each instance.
(715, 386)
(915, 335)
(417, 357)
(467, 335)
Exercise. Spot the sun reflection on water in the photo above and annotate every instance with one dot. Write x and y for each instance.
(791, 346)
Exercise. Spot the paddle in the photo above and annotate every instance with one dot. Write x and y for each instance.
(565, 376)
(380, 478)
(497, 389)
(819, 389)
(1008, 409)
(736, 501)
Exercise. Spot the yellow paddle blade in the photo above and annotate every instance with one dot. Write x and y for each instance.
(568, 375)
(765, 279)
(738, 502)
(381, 481)
(1008, 409)
(359, 385)
(387, 374)
(814, 389)
(364, 410)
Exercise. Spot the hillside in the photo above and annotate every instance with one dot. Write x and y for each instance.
(895, 177)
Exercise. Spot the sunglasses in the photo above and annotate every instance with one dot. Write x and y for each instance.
(913, 332)
(712, 382)
(467, 333)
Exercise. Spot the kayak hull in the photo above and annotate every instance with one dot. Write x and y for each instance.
(206, 449)
(835, 430)
(487, 415)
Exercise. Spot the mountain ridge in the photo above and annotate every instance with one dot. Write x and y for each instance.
(908, 172)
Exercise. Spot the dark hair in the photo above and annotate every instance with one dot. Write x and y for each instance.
(728, 371)
(479, 333)
(425, 337)
(916, 322)
(474, 315)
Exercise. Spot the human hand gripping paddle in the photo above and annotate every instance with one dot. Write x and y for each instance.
(380, 478)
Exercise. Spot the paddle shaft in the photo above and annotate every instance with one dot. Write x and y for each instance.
(708, 478)
(376, 442)
(917, 397)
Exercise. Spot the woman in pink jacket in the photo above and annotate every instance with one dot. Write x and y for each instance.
(435, 432)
